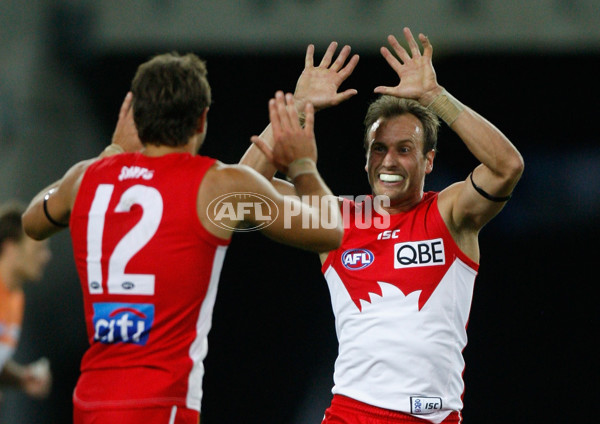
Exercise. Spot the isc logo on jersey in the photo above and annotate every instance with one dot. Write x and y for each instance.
(122, 322)
(355, 259)
(419, 253)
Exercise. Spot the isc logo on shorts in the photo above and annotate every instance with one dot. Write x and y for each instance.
(419, 253)
(354, 259)
(425, 405)
(122, 322)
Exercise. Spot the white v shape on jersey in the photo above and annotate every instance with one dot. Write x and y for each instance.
(401, 298)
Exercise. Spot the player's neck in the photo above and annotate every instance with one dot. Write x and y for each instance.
(403, 205)
(190, 147)
(154, 151)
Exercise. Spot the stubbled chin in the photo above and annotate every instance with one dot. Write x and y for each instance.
(388, 189)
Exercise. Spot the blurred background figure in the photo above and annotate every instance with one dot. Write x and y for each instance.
(22, 259)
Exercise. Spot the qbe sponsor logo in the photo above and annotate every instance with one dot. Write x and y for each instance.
(228, 209)
(425, 405)
(122, 322)
(355, 259)
(419, 253)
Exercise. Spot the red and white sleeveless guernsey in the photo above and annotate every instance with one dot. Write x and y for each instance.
(149, 273)
(401, 296)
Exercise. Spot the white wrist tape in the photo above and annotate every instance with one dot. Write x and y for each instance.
(301, 166)
(446, 107)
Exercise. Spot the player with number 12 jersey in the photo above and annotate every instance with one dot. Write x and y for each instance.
(148, 308)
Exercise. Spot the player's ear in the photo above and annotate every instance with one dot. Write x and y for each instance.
(429, 157)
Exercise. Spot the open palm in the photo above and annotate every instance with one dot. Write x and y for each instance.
(415, 70)
(319, 85)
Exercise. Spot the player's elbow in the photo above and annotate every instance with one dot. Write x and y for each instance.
(509, 167)
(31, 226)
(514, 167)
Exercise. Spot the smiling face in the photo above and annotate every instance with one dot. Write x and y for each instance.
(396, 165)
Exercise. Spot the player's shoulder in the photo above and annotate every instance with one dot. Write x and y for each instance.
(232, 177)
(221, 179)
(75, 172)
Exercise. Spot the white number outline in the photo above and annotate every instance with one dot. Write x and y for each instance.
(118, 281)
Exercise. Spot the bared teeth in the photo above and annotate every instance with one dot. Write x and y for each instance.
(390, 178)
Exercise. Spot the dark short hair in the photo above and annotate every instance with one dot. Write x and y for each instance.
(389, 106)
(11, 227)
(170, 93)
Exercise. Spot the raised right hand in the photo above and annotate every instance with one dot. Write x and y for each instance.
(319, 85)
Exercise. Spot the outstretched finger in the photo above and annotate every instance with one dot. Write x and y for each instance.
(414, 47)
(400, 51)
(344, 95)
(326, 61)
(283, 111)
(308, 59)
(341, 59)
(349, 68)
(274, 117)
(384, 90)
(391, 60)
(427, 47)
(291, 111)
(126, 105)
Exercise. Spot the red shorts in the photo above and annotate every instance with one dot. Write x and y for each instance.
(158, 415)
(344, 410)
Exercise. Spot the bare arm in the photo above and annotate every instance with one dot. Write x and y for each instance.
(49, 211)
(463, 208)
(293, 153)
(318, 85)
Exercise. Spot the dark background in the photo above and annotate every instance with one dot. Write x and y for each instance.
(531, 355)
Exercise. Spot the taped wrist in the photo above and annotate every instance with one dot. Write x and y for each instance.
(446, 107)
(301, 166)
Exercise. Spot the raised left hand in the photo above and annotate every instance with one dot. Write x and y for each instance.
(415, 70)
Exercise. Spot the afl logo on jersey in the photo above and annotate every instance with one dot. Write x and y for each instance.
(355, 259)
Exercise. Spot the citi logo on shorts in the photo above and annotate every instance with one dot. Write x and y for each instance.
(230, 208)
(122, 322)
(355, 259)
(419, 253)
